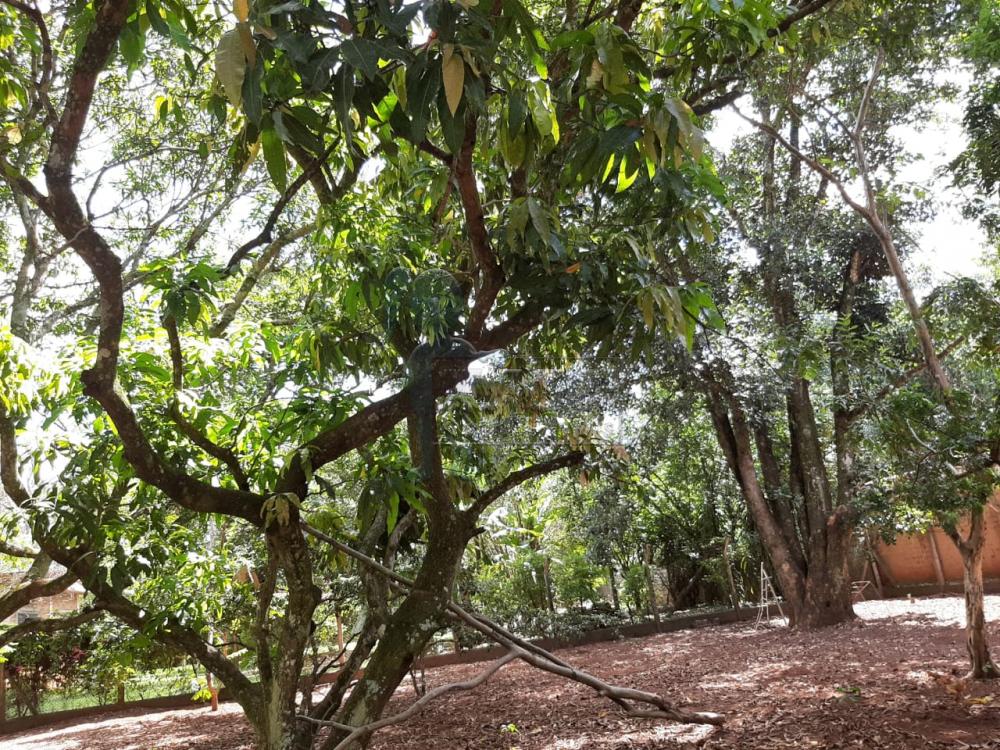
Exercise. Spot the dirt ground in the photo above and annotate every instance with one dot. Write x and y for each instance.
(891, 680)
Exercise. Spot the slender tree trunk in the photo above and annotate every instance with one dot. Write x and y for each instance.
(550, 600)
(971, 548)
(613, 583)
(654, 610)
(729, 575)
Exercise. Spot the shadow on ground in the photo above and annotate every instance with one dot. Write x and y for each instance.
(891, 680)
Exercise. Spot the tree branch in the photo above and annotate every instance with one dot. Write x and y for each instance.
(51, 624)
(16, 551)
(257, 270)
(898, 382)
(516, 478)
(28, 592)
(66, 213)
(491, 274)
(533, 654)
(45, 75)
(360, 733)
(216, 451)
(380, 417)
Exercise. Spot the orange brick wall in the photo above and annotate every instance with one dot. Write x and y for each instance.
(910, 559)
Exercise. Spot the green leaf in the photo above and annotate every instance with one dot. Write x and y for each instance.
(422, 85)
(231, 65)
(131, 43)
(343, 96)
(580, 38)
(253, 95)
(452, 125)
(292, 130)
(393, 513)
(274, 158)
(539, 220)
(624, 179)
(156, 21)
(364, 54)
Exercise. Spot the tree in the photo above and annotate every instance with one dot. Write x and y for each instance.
(222, 392)
(818, 286)
(946, 456)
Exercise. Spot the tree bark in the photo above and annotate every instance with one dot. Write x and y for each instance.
(828, 585)
(409, 628)
(647, 568)
(818, 594)
(971, 549)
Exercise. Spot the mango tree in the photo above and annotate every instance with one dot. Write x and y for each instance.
(333, 213)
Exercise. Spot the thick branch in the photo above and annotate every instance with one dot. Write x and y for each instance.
(15, 550)
(67, 215)
(28, 592)
(516, 478)
(362, 732)
(382, 416)
(51, 624)
(491, 274)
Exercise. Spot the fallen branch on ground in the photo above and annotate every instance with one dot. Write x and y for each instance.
(535, 655)
(359, 733)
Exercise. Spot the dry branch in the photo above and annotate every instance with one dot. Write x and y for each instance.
(357, 734)
(535, 655)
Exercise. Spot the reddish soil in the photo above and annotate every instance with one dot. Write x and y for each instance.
(891, 681)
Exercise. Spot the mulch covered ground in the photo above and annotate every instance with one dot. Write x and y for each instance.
(891, 680)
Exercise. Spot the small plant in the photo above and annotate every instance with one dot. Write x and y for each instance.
(849, 692)
(509, 730)
(202, 694)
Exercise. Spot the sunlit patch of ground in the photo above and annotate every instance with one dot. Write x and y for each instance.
(890, 680)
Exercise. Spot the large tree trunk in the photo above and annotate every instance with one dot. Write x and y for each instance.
(281, 657)
(828, 584)
(817, 593)
(971, 548)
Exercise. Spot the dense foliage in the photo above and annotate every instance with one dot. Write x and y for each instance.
(406, 323)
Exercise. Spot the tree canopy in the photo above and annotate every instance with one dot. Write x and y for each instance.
(410, 314)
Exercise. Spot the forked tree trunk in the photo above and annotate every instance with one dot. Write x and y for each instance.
(971, 549)
(816, 587)
(277, 725)
(827, 599)
(409, 629)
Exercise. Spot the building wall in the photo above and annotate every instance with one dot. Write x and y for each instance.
(910, 559)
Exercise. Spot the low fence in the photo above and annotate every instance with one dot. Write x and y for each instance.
(470, 656)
